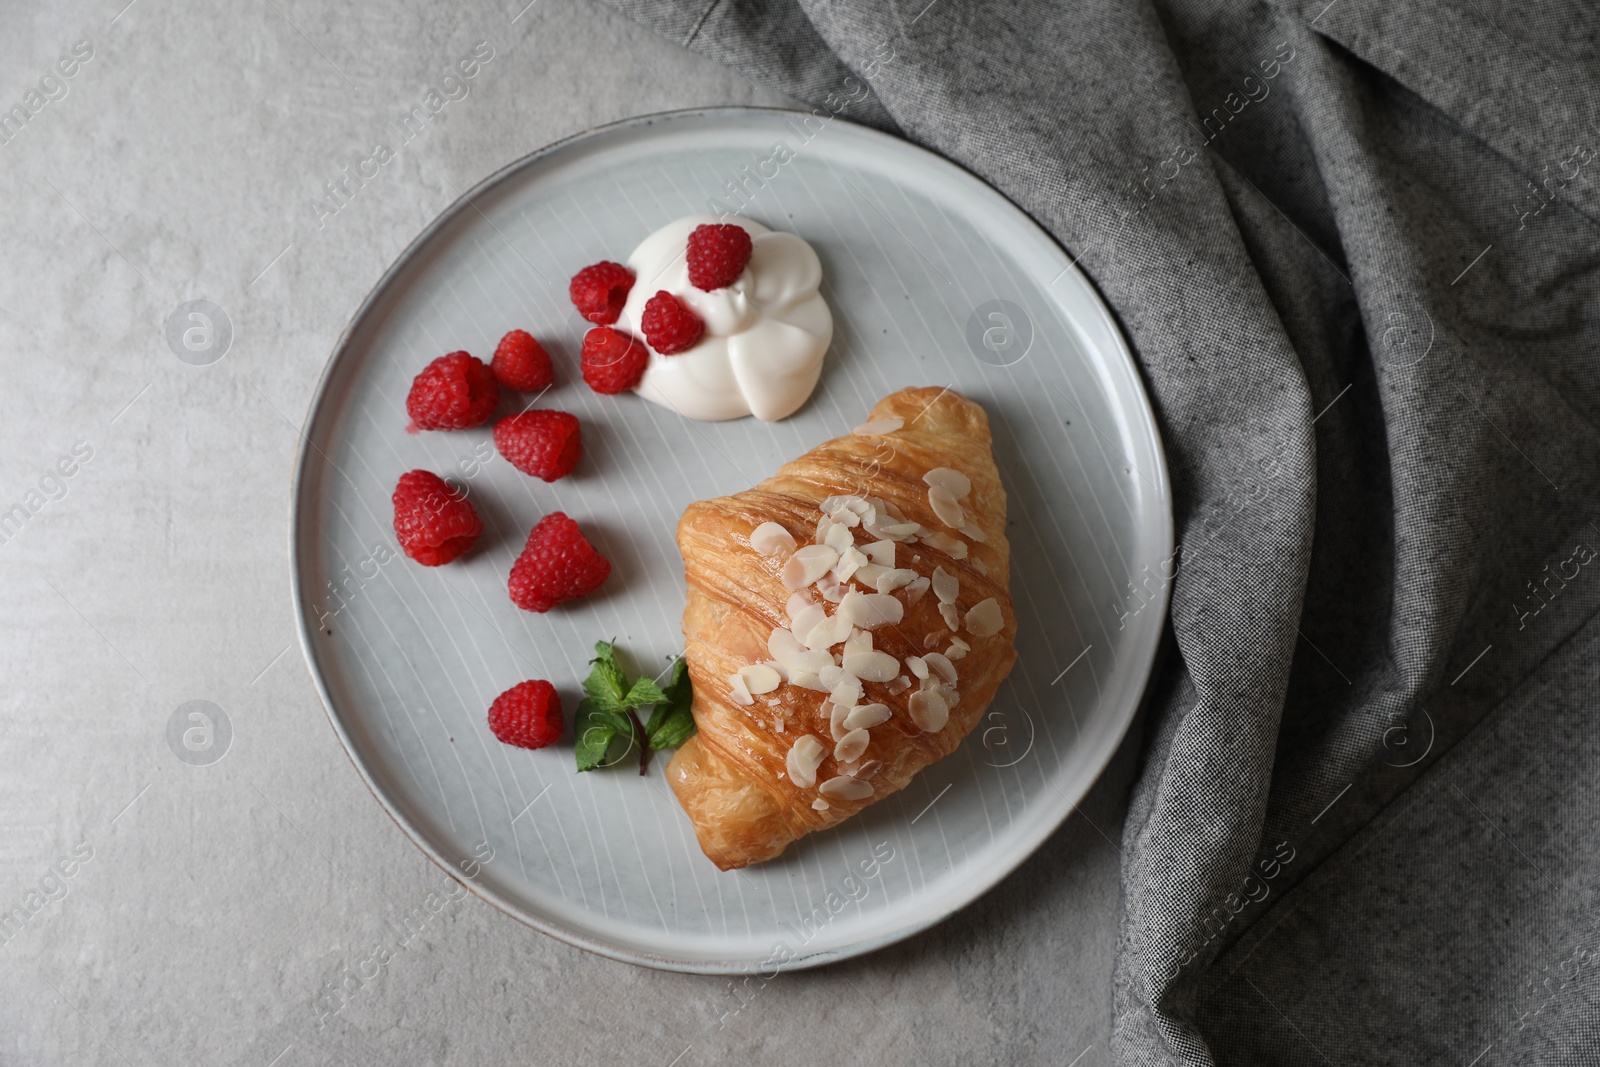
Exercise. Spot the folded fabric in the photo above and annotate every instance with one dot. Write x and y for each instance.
(1354, 248)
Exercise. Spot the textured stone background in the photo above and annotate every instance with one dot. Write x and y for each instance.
(217, 903)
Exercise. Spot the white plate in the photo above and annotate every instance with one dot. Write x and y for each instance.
(934, 279)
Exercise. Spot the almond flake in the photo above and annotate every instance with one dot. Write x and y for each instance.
(890, 580)
(974, 532)
(770, 539)
(872, 666)
(866, 716)
(915, 589)
(839, 538)
(845, 788)
(866, 770)
(929, 711)
(950, 546)
(804, 757)
(880, 552)
(759, 678)
(828, 632)
(917, 666)
(984, 618)
(852, 746)
(741, 692)
(898, 686)
(797, 602)
(870, 574)
(807, 565)
(946, 586)
(870, 610)
(947, 612)
(946, 506)
(805, 619)
(954, 481)
(847, 692)
(836, 717)
(859, 641)
(828, 585)
(901, 531)
(942, 666)
(819, 805)
(878, 427)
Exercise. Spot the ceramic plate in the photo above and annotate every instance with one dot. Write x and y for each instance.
(934, 279)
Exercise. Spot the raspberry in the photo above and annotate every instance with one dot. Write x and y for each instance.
(612, 361)
(556, 565)
(545, 444)
(527, 715)
(521, 363)
(452, 393)
(434, 522)
(718, 254)
(669, 326)
(600, 290)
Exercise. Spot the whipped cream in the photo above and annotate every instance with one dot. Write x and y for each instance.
(765, 334)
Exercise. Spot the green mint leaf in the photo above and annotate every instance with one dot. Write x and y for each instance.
(644, 693)
(672, 723)
(606, 684)
(594, 730)
(673, 729)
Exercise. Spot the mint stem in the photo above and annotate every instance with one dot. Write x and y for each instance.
(644, 745)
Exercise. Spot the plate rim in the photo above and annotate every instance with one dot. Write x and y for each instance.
(1028, 844)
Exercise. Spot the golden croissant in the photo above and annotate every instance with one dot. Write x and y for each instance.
(848, 621)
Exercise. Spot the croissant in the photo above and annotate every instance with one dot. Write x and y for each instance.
(848, 622)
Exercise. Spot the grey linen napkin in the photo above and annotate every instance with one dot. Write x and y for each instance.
(1354, 247)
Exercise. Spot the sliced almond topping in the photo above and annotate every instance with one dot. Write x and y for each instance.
(860, 641)
(836, 717)
(845, 788)
(950, 546)
(984, 618)
(870, 574)
(831, 676)
(917, 666)
(930, 640)
(974, 532)
(770, 539)
(915, 588)
(880, 552)
(828, 585)
(890, 580)
(759, 678)
(872, 666)
(741, 692)
(847, 692)
(866, 716)
(867, 769)
(942, 666)
(819, 805)
(804, 620)
(978, 564)
(929, 711)
(852, 746)
(946, 506)
(898, 686)
(784, 648)
(878, 427)
(957, 649)
(807, 565)
(839, 538)
(807, 680)
(946, 586)
(844, 509)
(900, 531)
(804, 757)
(947, 612)
(870, 610)
(828, 632)
(797, 602)
(850, 561)
(946, 478)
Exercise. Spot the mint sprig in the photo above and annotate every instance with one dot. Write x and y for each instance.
(609, 711)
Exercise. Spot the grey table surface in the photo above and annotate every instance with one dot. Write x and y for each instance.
(182, 914)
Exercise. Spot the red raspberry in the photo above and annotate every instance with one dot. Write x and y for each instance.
(612, 361)
(545, 444)
(718, 254)
(434, 522)
(600, 290)
(521, 363)
(453, 392)
(527, 715)
(669, 326)
(556, 565)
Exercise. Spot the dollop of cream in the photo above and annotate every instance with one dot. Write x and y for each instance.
(765, 334)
